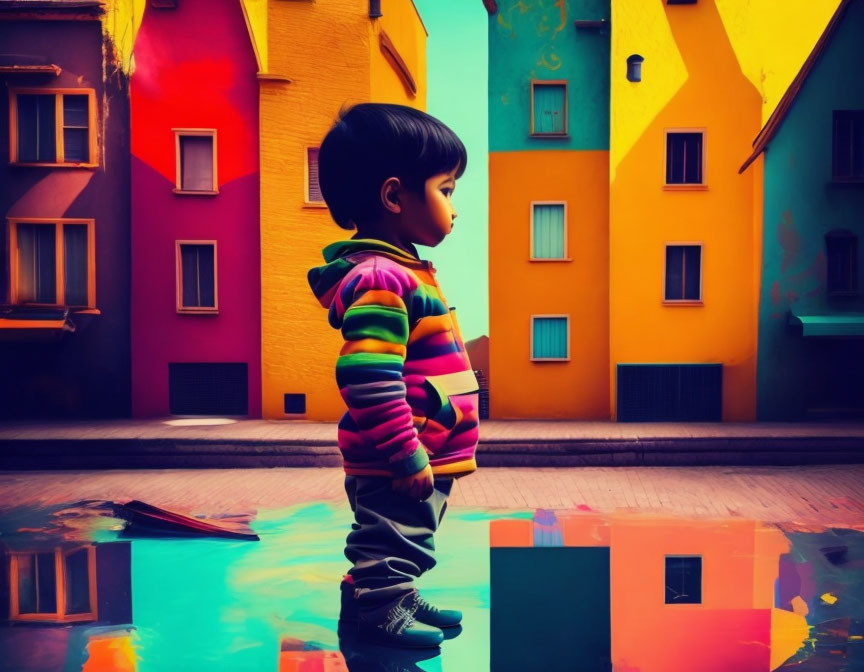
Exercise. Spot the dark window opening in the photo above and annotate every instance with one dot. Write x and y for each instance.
(313, 188)
(848, 154)
(37, 128)
(684, 158)
(198, 276)
(76, 129)
(842, 253)
(196, 163)
(683, 273)
(683, 580)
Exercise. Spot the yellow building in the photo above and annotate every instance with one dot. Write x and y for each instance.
(317, 58)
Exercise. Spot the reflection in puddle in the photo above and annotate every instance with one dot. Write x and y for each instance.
(567, 590)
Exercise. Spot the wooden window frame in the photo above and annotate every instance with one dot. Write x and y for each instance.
(701, 186)
(178, 175)
(532, 358)
(60, 586)
(531, 256)
(683, 302)
(686, 605)
(59, 258)
(550, 82)
(306, 202)
(211, 310)
(58, 93)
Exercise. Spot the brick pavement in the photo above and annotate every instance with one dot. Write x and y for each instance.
(813, 495)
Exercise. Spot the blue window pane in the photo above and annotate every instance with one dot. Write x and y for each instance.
(683, 158)
(37, 281)
(549, 108)
(548, 242)
(198, 273)
(36, 129)
(550, 337)
(683, 272)
(75, 262)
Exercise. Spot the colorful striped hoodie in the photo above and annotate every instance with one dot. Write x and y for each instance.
(403, 372)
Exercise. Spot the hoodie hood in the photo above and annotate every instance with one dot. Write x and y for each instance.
(325, 279)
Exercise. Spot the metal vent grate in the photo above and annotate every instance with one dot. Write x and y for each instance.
(670, 392)
(208, 388)
(295, 403)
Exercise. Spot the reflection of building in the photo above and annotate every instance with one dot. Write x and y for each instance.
(64, 281)
(65, 604)
(811, 316)
(320, 56)
(638, 593)
(195, 210)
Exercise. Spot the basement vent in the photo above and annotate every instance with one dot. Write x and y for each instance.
(670, 392)
(208, 388)
(295, 403)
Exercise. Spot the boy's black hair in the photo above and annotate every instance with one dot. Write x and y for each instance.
(373, 141)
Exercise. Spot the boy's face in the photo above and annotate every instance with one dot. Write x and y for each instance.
(429, 222)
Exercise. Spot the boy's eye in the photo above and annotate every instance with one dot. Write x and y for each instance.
(446, 192)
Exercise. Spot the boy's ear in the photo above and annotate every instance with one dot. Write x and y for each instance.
(390, 192)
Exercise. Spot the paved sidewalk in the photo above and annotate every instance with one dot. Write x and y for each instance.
(815, 495)
(214, 443)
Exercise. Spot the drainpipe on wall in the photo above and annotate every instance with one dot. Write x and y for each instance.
(375, 9)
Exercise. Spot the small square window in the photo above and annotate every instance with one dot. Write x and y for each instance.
(295, 403)
(313, 189)
(684, 158)
(196, 276)
(683, 579)
(683, 273)
(196, 162)
(548, 231)
(549, 108)
(550, 338)
(848, 154)
(842, 253)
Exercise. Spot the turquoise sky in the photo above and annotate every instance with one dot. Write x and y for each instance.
(457, 56)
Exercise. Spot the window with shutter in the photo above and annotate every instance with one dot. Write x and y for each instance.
(548, 231)
(550, 337)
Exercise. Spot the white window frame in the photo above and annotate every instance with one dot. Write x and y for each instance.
(531, 339)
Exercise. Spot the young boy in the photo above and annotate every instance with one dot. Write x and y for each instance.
(412, 421)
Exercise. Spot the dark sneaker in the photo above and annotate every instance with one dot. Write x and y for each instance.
(394, 624)
(432, 615)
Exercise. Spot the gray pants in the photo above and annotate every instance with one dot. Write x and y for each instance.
(392, 543)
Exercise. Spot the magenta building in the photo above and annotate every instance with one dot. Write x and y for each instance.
(196, 299)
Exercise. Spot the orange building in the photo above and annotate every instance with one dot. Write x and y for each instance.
(316, 58)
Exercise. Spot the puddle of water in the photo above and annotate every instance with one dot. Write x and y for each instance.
(554, 590)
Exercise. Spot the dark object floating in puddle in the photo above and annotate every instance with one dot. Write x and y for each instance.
(146, 519)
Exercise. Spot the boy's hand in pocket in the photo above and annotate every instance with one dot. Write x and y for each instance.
(417, 486)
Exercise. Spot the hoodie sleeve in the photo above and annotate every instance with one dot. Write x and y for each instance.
(375, 327)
